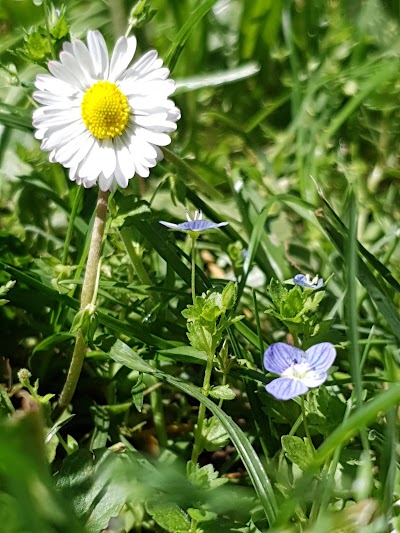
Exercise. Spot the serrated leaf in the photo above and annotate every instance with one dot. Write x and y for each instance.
(204, 477)
(299, 451)
(169, 516)
(61, 29)
(37, 46)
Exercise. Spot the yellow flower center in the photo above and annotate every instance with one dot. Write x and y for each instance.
(105, 110)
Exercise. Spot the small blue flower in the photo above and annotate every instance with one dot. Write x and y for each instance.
(306, 281)
(197, 225)
(299, 370)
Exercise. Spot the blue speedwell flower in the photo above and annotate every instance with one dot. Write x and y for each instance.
(299, 370)
(197, 225)
(306, 281)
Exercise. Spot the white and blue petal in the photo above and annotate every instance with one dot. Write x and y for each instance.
(307, 282)
(280, 356)
(320, 357)
(314, 379)
(286, 388)
(197, 226)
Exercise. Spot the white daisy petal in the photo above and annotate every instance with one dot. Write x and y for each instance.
(122, 55)
(44, 82)
(108, 157)
(49, 98)
(73, 64)
(98, 52)
(83, 57)
(106, 184)
(161, 139)
(125, 160)
(92, 164)
(75, 124)
(62, 72)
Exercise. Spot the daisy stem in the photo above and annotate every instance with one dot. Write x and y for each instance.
(89, 288)
(305, 423)
(193, 269)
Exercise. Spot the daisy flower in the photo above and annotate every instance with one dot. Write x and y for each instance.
(101, 118)
(299, 371)
(307, 282)
(197, 225)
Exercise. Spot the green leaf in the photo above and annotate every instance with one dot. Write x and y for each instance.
(222, 392)
(204, 477)
(85, 480)
(6, 407)
(52, 340)
(27, 475)
(169, 516)
(37, 46)
(372, 285)
(214, 434)
(299, 451)
(177, 46)
(200, 515)
(187, 354)
(60, 29)
(229, 295)
(121, 353)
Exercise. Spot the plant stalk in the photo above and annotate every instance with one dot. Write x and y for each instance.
(198, 437)
(87, 297)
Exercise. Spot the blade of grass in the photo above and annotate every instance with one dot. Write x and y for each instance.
(178, 45)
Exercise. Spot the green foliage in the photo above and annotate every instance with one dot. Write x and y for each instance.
(296, 308)
(298, 450)
(39, 45)
(271, 93)
(209, 317)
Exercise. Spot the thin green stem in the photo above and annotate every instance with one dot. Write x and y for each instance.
(88, 290)
(198, 437)
(193, 269)
(305, 423)
(158, 411)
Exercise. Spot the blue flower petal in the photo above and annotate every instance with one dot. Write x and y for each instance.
(280, 356)
(320, 357)
(304, 281)
(195, 225)
(169, 225)
(286, 388)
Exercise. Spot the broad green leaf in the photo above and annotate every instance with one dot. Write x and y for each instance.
(85, 480)
(297, 450)
(169, 516)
